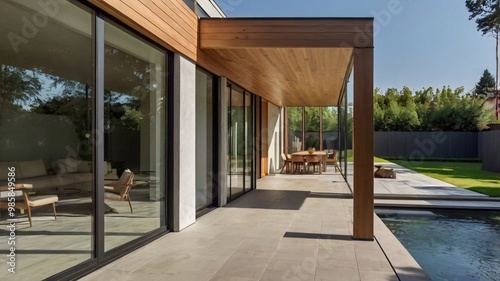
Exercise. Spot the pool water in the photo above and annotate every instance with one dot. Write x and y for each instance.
(449, 245)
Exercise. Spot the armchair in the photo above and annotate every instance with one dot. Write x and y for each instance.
(120, 190)
(30, 202)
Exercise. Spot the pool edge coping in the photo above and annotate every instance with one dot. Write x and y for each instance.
(402, 262)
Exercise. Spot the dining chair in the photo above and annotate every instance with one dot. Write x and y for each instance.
(335, 153)
(298, 163)
(286, 163)
(313, 160)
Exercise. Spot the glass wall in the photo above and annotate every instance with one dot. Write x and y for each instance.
(237, 143)
(330, 128)
(46, 134)
(134, 134)
(326, 128)
(295, 129)
(249, 141)
(206, 175)
(241, 132)
(342, 131)
(321, 128)
(346, 153)
(330, 131)
(312, 117)
(50, 107)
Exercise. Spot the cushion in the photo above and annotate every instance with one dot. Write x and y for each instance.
(43, 200)
(61, 166)
(49, 181)
(4, 169)
(125, 177)
(112, 196)
(107, 168)
(68, 165)
(84, 166)
(34, 168)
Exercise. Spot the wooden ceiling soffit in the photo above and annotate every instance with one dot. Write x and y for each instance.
(289, 62)
(285, 33)
(284, 76)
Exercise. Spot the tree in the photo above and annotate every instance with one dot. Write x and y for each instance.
(18, 87)
(428, 110)
(487, 14)
(486, 81)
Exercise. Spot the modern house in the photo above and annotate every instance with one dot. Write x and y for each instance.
(192, 102)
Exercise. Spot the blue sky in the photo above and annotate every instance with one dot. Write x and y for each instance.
(424, 43)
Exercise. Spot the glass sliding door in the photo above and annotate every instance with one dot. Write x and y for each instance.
(249, 141)
(345, 137)
(241, 134)
(206, 175)
(135, 122)
(228, 141)
(330, 131)
(312, 127)
(46, 98)
(237, 141)
(53, 93)
(295, 131)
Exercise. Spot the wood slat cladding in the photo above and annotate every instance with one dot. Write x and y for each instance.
(168, 22)
(291, 33)
(283, 76)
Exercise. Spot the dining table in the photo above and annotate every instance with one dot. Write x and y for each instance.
(323, 154)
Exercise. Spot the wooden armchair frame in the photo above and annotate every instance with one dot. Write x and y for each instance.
(120, 190)
(30, 202)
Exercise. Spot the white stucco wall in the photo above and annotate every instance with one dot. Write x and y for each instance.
(184, 155)
(275, 141)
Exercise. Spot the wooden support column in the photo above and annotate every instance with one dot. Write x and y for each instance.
(363, 144)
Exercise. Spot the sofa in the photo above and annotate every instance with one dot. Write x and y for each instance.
(66, 173)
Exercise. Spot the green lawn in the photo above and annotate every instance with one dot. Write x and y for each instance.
(465, 175)
(350, 157)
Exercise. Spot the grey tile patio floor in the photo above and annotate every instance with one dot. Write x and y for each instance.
(293, 227)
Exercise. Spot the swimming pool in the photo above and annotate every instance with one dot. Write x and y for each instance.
(449, 244)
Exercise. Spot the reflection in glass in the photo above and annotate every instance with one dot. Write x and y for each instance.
(238, 141)
(312, 128)
(249, 151)
(330, 131)
(294, 129)
(345, 136)
(229, 142)
(205, 193)
(241, 131)
(45, 134)
(134, 136)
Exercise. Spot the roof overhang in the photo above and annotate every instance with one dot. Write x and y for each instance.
(287, 61)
